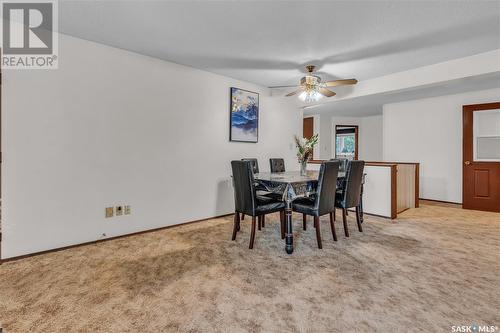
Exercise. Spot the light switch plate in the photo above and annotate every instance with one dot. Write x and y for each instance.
(109, 211)
(119, 210)
(127, 210)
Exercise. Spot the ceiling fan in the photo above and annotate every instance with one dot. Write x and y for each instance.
(311, 88)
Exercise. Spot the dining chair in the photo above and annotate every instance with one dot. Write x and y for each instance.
(342, 168)
(254, 163)
(261, 190)
(277, 164)
(248, 202)
(344, 162)
(323, 202)
(255, 167)
(349, 195)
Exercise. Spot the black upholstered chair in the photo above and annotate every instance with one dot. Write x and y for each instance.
(349, 195)
(343, 163)
(277, 164)
(323, 201)
(261, 190)
(248, 202)
(254, 163)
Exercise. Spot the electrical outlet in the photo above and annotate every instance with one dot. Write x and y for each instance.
(119, 210)
(109, 211)
(127, 210)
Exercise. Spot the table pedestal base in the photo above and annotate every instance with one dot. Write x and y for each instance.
(289, 232)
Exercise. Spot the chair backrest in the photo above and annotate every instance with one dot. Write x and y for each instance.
(277, 164)
(254, 163)
(343, 163)
(244, 189)
(327, 185)
(352, 188)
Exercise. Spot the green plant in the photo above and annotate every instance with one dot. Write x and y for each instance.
(305, 147)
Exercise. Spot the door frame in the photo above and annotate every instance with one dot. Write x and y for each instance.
(467, 145)
(356, 139)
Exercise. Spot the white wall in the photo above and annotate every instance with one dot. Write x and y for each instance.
(429, 131)
(317, 130)
(370, 135)
(370, 141)
(325, 144)
(111, 127)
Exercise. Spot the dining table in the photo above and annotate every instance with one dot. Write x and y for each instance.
(291, 185)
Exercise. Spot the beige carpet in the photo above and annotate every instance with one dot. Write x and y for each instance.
(432, 268)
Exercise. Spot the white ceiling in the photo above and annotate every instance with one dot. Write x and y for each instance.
(269, 42)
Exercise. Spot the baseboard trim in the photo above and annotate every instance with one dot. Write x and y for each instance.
(370, 214)
(24, 256)
(382, 216)
(441, 201)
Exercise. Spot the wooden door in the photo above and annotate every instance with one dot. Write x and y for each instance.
(308, 129)
(481, 157)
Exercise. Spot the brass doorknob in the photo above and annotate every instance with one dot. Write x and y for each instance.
(467, 162)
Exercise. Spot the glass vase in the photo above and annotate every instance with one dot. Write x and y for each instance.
(303, 168)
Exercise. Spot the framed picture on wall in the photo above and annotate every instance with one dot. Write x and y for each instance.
(244, 116)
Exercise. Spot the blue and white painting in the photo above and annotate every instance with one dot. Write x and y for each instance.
(244, 115)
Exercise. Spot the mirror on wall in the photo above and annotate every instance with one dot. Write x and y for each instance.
(346, 141)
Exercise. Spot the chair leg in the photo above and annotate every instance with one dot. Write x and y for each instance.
(242, 216)
(236, 224)
(358, 219)
(252, 235)
(264, 221)
(332, 219)
(318, 232)
(304, 221)
(259, 221)
(334, 214)
(361, 217)
(344, 218)
(282, 223)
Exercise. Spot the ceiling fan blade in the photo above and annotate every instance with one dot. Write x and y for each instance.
(294, 92)
(326, 92)
(340, 82)
(283, 86)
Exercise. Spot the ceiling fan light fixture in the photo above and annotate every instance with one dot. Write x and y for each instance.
(312, 89)
(310, 96)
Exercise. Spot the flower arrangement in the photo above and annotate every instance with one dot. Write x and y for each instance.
(305, 149)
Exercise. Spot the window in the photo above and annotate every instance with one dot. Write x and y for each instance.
(346, 142)
(486, 132)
